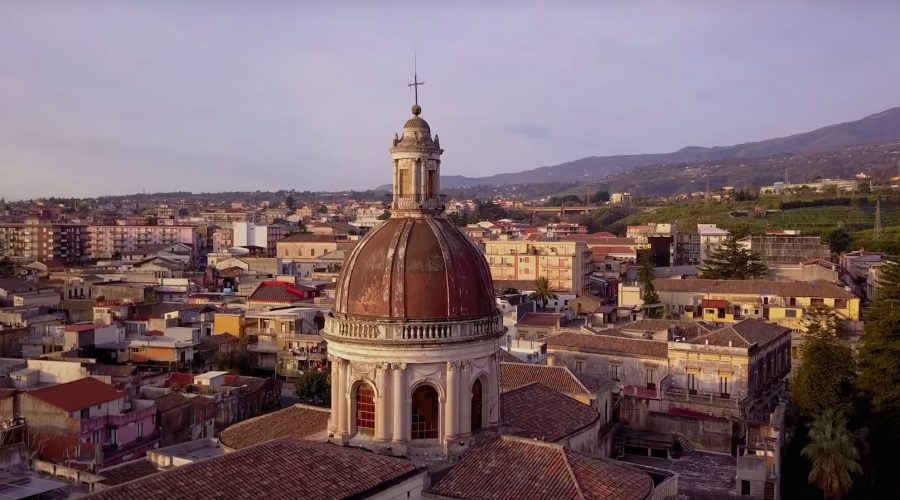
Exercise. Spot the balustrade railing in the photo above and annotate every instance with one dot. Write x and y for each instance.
(419, 331)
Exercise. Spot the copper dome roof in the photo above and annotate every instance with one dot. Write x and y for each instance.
(420, 268)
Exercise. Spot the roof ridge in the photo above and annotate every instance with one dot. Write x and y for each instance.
(565, 457)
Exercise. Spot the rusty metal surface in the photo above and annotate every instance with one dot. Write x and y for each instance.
(416, 268)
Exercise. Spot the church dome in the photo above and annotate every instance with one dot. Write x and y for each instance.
(418, 268)
(416, 124)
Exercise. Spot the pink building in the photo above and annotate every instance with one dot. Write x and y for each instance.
(89, 422)
(106, 241)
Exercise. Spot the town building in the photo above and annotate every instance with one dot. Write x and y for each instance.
(111, 241)
(782, 302)
(711, 238)
(567, 265)
(34, 240)
(786, 247)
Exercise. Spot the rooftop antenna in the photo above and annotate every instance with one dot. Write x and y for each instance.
(415, 83)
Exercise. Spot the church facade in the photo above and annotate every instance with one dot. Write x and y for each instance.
(414, 335)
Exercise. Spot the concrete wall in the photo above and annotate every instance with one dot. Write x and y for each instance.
(709, 434)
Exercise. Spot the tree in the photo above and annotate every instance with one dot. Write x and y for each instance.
(827, 373)
(648, 292)
(314, 387)
(833, 454)
(6, 267)
(302, 227)
(733, 262)
(510, 291)
(240, 362)
(542, 292)
(879, 349)
(384, 215)
(839, 240)
(289, 202)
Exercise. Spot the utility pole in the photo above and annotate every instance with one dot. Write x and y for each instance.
(876, 231)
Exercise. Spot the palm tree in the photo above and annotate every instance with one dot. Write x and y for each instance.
(542, 291)
(833, 454)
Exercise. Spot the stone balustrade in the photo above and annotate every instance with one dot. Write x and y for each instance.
(418, 331)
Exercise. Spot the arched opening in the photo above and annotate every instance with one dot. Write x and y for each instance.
(365, 409)
(476, 405)
(425, 413)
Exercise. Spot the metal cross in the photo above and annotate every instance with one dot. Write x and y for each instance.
(415, 84)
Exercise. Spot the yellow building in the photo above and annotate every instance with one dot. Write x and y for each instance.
(785, 303)
(310, 247)
(232, 324)
(566, 264)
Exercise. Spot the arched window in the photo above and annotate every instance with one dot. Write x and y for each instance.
(365, 409)
(476, 405)
(425, 413)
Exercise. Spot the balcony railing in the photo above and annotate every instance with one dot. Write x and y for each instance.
(719, 400)
(416, 332)
(646, 392)
(88, 425)
(436, 202)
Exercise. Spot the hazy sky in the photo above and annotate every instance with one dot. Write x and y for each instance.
(114, 97)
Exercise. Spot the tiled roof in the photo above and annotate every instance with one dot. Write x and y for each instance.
(509, 467)
(508, 357)
(754, 287)
(315, 238)
(743, 334)
(129, 471)
(558, 378)
(280, 469)
(277, 291)
(171, 400)
(298, 421)
(691, 328)
(607, 344)
(538, 412)
(540, 319)
(714, 303)
(81, 327)
(77, 395)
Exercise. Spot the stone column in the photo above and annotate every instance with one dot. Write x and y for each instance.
(335, 394)
(465, 399)
(343, 400)
(382, 410)
(451, 405)
(401, 401)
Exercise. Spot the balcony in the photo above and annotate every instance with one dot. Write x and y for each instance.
(705, 398)
(421, 332)
(88, 425)
(644, 391)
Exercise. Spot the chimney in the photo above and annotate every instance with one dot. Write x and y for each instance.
(729, 343)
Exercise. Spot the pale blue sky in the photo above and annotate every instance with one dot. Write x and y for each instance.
(103, 97)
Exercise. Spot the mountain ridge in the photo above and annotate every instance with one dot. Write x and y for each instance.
(876, 127)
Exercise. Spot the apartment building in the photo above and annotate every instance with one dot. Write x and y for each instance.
(107, 241)
(610, 254)
(786, 247)
(287, 340)
(567, 265)
(784, 303)
(710, 239)
(65, 243)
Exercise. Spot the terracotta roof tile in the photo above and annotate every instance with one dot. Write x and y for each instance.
(280, 469)
(558, 378)
(607, 344)
(540, 319)
(743, 334)
(754, 287)
(537, 412)
(77, 395)
(689, 328)
(129, 471)
(509, 467)
(298, 421)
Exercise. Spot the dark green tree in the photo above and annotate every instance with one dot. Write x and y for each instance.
(509, 291)
(839, 240)
(384, 215)
(648, 292)
(6, 267)
(542, 292)
(731, 261)
(302, 227)
(827, 373)
(879, 350)
(833, 453)
(314, 387)
(289, 203)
